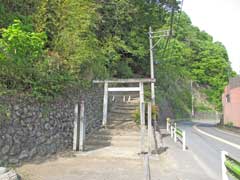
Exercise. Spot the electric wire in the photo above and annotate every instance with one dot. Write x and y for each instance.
(171, 30)
(178, 24)
(170, 35)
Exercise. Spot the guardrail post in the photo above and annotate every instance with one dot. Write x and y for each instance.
(171, 128)
(224, 169)
(76, 128)
(175, 132)
(82, 127)
(184, 140)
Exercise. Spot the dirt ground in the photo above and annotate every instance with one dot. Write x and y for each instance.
(83, 168)
(171, 164)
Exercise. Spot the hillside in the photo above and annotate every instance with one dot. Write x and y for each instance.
(47, 46)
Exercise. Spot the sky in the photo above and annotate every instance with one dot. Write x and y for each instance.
(220, 19)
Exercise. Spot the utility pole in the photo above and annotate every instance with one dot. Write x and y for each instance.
(153, 89)
(152, 65)
(152, 35)
(192, 98)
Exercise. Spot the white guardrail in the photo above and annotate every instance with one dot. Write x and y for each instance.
(230, 167)
(176, 133)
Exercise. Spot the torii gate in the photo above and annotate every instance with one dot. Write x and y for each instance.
(107, 89)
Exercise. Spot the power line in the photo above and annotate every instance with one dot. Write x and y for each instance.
(178, 24)
(179, 15)
(171, 30)
(171, 26)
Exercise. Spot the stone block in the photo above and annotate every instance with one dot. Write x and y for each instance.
(5, 149)
(24, 155)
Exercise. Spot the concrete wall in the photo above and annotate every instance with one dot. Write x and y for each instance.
(231, 109)
(30, 129)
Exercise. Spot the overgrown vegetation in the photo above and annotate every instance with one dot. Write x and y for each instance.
(48, 45)
(4, 111)
(229, 124)
(155, 113)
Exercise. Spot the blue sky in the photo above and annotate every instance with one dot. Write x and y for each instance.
(220, 18)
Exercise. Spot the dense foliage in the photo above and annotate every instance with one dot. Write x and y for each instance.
(48, 45)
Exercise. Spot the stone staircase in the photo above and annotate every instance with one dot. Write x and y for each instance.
(121, 136)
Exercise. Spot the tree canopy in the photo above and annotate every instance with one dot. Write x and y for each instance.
(48, 45)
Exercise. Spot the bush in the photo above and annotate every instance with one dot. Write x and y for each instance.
(229, 124)
(137, 116)
(155, 112)
(25, 67)
(21, 46)
(20, 52)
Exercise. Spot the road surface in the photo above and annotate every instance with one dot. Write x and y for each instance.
(206, 143)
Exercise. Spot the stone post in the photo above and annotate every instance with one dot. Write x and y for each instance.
(82, 127)
(76, 129)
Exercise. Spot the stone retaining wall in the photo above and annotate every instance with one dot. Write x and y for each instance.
(30, 129)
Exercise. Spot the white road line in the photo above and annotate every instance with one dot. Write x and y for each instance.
(217, 138)
(226, 132)
(205, 167)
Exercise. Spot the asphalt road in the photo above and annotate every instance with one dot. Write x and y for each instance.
(207, 150)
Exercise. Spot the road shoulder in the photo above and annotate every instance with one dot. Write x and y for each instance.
(231, 131)
(185, 164)
(216, 137)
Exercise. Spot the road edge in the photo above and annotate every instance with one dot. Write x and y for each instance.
(216, 138)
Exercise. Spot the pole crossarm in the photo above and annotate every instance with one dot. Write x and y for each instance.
(161, 31)
(159, 35)
(147, 80)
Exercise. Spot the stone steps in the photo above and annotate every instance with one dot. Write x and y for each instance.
(123, 111)
(123, 125)
(118, 113)
(118, 118)
(125, 107)
(117, 121)
(122, 118)
(116, 137)
(121, 135)
(126, 104)
(121, 99)
(112, 142)
(112, 127)
(116, 131)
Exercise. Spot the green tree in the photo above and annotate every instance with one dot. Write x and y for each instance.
(48, 19)
(20, 50)
(108, 38)
(20, 46)
(77, 41)
(17, 9)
